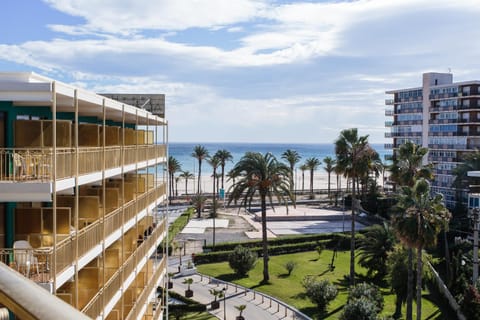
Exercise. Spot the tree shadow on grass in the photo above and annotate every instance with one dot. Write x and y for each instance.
(326, 315)
(312, 311)
(230, 277)
(326, 271)
(344, 283)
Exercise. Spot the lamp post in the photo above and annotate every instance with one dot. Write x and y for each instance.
(224, 303)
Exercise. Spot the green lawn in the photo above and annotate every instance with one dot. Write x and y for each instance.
(289, 288)
(196, 316)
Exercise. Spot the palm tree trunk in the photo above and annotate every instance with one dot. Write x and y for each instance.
(223, 173)
(410, 285)
(266, 276)
(329, 188)
(199, 175)
(303, 181)
(171, 188)
(447, 256)
(311, 183)
(186, 181)
(398, 308)
(352, 238)
(419, 283)
(214, 209)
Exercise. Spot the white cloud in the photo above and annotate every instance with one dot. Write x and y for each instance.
(129, 16)
(302, 71)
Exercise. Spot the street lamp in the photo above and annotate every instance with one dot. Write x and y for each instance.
(224, 303)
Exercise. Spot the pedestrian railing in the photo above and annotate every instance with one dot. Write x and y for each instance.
(288, 312)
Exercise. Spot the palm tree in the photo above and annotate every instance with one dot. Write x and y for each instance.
(224, 156)
(292, 157)
(214, 162)
(303, 168)
(372, 165)
(397, 264)
(267, 176)
(312, 165)
(186, 175)
(407, 165)
(173, 166)
(329, 167)
(374, 247)
(423, 218)
(198, 201)
(200, 153)
(350, 148)
(406, 168)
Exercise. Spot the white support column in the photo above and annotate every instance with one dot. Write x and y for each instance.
(54, 183)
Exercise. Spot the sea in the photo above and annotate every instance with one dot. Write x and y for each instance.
(182, 151)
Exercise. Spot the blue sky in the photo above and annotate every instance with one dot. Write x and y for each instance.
(247, 70)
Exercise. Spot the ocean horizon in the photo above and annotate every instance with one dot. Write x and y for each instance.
(182, 152)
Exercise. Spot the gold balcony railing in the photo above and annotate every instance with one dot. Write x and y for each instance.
(26, 164)
(40, 266)
(95, 307)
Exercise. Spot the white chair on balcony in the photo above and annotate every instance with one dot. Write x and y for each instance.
(24, 258)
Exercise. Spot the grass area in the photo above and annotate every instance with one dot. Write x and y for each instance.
(179, 223)
(289, 288)
(196, 316)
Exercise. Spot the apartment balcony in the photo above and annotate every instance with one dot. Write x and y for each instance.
(27, 174)
(389, 112)
(104, 301)
(444, 95)
(388, 124)
(389, 102)
(55, 263)
(388, 146)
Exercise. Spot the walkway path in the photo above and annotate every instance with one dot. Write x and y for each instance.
(259, 306)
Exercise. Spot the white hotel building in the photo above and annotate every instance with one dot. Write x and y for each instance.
(443, 116)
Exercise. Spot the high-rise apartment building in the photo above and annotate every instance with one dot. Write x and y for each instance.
(81, 176)
(443, 116)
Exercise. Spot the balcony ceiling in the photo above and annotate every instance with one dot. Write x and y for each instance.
(32, 90)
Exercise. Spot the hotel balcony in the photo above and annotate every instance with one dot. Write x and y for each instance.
(53, 265)
(58, 260)
(28, 169)
(388, 146)
(81, 177)
(388, 124)
(389, 112)
(389, 102)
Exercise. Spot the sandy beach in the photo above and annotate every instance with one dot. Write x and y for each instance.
(320, 181)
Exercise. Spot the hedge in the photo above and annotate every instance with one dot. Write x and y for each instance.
(338, 241)
(273, 242)
(189, 306)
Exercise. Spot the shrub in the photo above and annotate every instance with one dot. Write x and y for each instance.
(359, 309)
(289, 266)
(471, 303)
(320, 249)
(368, 291)
(242, 260)
(319, 292)
(365, 301)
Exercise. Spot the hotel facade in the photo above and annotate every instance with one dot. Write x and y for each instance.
(443, 116)
(81, 177)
